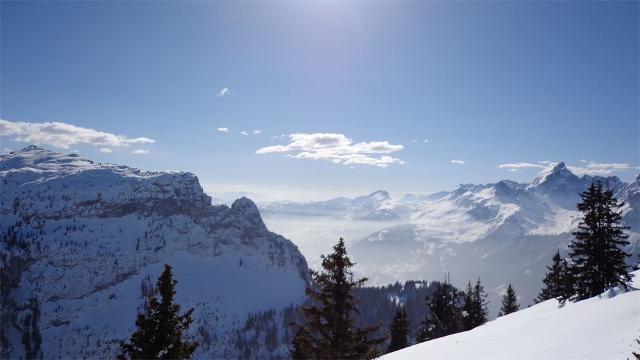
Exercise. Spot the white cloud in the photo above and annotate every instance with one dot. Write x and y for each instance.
(593, 168)
(459, 162)
(257, 131)
(140, 152)
(426, 141)
(223, 129)
(106, 150)
(336, 148)
(275, 137)
(224, 92)
(64, 135)
(522, 165)
(244, 133)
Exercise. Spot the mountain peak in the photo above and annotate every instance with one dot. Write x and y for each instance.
(559, 167)
(244, 204)
(380, 194)
(31, 148)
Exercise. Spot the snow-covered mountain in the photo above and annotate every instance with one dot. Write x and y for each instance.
(82, 242)
(600, 328)
(503, 232)
(376, 206)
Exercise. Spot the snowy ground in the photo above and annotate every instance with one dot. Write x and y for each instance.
(603, 327)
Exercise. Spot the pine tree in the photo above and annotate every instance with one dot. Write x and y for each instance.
(509, 302)
(300, 345)
(474, 310)
(329, 330)
(160, 329)
(399, 330)
(597, 258)
(557, 282)
(443, 314)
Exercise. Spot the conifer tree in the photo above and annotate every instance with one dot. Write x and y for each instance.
(300, 345)
(399, 330)
(443, 314)
(329, 330)
(160, 329)
(597, 257)
(557, 282)
(474, 309)
(509, 302)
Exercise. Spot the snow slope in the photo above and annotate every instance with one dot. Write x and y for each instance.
(83, 242)
(603, 327)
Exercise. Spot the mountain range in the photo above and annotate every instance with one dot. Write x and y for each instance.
(504, 232)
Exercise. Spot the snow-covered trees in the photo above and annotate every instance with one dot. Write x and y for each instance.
(597, 257)
(329, 330)
(509, 302)
(399, 330)
(160, 330)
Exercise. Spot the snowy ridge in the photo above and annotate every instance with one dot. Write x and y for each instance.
(481, 230)
(472, 231)
(603, 327)
(376, 206)
(82, 241)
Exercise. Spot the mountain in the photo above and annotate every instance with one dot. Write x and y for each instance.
(503, 233)
(83, 242)
(564, 187)
(377, 206)
(603, 327)
(631, 196)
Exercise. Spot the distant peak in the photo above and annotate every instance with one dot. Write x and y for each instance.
(559, 167)
(31, 148)
(380, 193)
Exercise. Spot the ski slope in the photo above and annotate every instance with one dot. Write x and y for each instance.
(603, 327)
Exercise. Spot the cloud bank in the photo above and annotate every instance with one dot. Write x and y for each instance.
(336, 148)
(590, 167)
(63, 135)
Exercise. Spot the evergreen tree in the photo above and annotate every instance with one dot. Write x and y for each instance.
(557, 282)
(399, 330)
(443, 314)
(160, 329)
(330, 331)
(300, 345)
(597, 257)
(509, 302)
(474, 309)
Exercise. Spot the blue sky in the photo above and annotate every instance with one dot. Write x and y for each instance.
(487, 84)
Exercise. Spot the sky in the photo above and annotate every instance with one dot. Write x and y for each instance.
(310, 100)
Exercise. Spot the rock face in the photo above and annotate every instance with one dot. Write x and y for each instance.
(83, 242)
